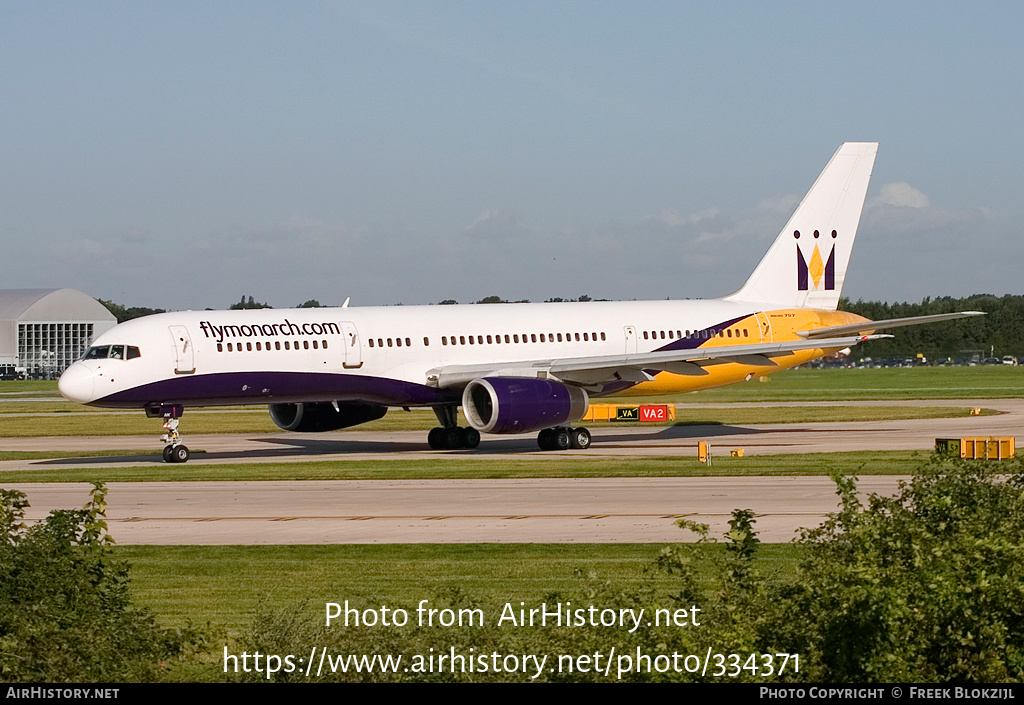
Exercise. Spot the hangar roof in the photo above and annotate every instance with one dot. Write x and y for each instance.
(51, 305)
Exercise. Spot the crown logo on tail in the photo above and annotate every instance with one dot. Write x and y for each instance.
(815, 270)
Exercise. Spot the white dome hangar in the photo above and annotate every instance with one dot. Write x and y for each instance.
(42, 331)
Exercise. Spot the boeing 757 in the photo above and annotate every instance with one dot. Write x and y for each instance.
(513, 368)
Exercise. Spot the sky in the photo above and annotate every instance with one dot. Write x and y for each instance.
(181, 155)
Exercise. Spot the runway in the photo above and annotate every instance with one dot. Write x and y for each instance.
(543, 510)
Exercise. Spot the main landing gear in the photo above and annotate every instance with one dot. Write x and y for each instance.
(563, 438)
(453, 438)
(448, 436)
(175, 451)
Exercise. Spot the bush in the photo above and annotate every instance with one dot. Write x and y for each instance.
(925, 586)
(65, 609)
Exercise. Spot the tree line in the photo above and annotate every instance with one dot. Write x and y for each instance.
(1000, 332)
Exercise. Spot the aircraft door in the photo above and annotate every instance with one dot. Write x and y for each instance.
(185, 361)
(764, 327)
(353, 346)
(630, 339)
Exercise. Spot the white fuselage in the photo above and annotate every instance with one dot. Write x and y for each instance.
(373, 348)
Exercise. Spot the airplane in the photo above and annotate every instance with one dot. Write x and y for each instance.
(513, 368)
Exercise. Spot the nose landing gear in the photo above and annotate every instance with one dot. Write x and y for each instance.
(175, 451)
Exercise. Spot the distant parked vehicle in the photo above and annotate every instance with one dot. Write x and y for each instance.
(1009, 360)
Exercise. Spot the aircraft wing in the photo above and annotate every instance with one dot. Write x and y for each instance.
(635, 367)
(871, 326)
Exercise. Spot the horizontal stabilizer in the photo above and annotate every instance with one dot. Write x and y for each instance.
(869, 326)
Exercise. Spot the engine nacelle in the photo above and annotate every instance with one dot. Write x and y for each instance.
(521, 404)
(322, 416)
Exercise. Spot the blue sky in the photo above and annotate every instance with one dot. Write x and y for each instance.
(182, 154)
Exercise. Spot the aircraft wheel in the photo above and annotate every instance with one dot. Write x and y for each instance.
(179, 454)
(435, 439)
(452, 437)
(470, 437)
(560, 439)
(544, 439)
(167, 454)
(579, 438)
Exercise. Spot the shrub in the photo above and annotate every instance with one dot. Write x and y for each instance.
(65, 609)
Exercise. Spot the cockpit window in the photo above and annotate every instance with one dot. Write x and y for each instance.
(112, 352)
(97, 353)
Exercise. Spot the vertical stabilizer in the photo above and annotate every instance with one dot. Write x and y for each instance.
(806, 265)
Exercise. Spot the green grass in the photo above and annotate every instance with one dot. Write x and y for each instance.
(38, 455)
(473, 466)
(223, 585)
(11, 388)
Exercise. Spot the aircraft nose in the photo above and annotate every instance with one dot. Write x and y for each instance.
(77, 383)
